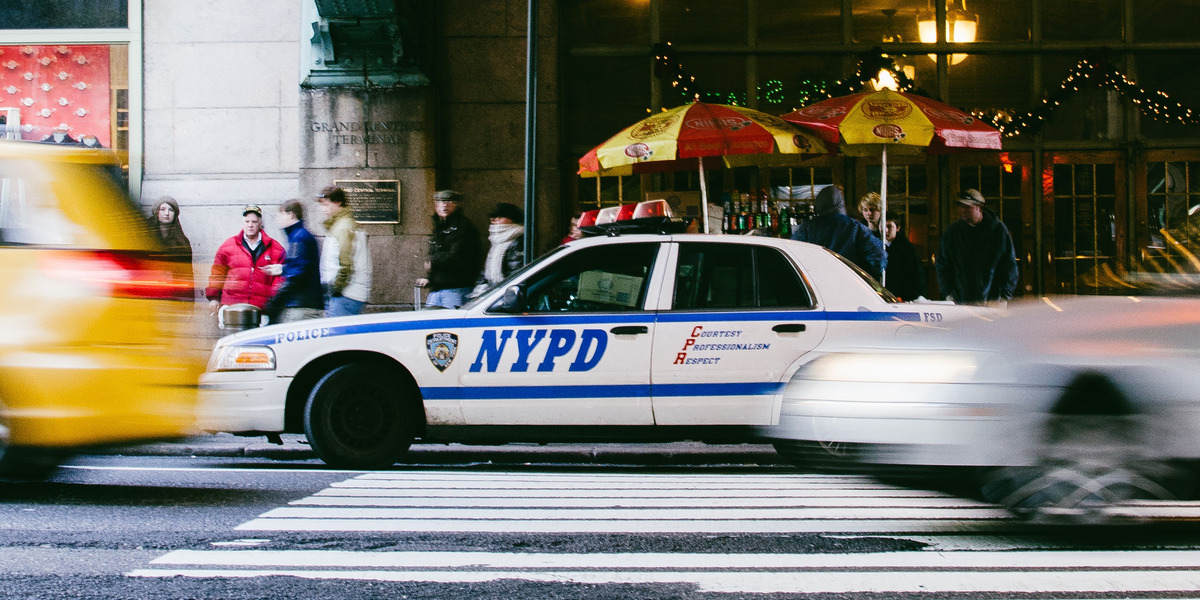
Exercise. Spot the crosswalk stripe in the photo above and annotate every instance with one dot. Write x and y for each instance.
(604, 485)
(618, 526)
(1041, 559)
(657, 514)
(628, 502)
(425, 492)
(811, 582)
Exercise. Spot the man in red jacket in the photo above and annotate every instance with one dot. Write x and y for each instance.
(247, 266)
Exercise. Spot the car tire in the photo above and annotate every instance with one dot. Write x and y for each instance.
(1088, 467)
(355, 418)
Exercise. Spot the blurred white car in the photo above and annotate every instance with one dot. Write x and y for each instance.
(1066, 408)
(622, 338)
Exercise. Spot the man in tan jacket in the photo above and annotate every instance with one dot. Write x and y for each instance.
(345, 256)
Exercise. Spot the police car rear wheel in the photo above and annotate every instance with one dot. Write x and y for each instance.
(355, 418)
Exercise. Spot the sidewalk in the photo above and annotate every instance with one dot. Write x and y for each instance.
(295, 447)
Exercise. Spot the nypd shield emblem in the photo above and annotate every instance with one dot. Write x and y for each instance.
(441, 347)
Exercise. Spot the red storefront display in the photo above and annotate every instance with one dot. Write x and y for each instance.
(60, 88)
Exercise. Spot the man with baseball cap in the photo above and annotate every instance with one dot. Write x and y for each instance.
(244, 269)
(454, 253)
(976, 261)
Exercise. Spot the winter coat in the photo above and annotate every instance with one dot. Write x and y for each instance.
(346, 257)
(301, 287)
(905, 274)
(235, 276)
(832, 229)
(454, 253)
(977, 264)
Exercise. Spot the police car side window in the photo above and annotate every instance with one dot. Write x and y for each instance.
(598, 279)
(779, 286)
(725, 276)
(711, 276)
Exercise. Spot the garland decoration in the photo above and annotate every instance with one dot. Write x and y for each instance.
(1088, 73)
(1095, 74)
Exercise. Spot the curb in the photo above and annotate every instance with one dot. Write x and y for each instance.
(295, 448)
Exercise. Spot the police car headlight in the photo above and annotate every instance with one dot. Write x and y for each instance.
(243, 358)
(941, 367)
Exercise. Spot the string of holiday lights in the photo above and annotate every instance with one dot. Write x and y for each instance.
(1091, 74)
(668, 68)
(1086, 74)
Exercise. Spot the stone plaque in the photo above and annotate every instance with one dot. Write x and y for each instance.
(373, 201)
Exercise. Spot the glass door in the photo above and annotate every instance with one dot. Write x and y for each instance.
(1085, 223)
(1168, 213)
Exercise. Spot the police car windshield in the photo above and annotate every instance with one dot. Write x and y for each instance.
(871, 281)
(503, 284)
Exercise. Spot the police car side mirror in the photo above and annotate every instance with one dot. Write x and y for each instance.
(514, 300)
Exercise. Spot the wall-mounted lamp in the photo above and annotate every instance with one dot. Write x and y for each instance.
(887, 80)
(961, 27)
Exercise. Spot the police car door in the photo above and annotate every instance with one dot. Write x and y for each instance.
(740, 316)
(580, 352)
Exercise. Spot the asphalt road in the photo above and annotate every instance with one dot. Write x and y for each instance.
(231, 527)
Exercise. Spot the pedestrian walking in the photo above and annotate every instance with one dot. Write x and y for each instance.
(454, 253)
(300, 295)
(976, 261)
(905, 275)
(345, 258)
(506, 253)
(237, 276)
(834, 230)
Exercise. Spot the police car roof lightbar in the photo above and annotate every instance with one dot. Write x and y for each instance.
(653, 216)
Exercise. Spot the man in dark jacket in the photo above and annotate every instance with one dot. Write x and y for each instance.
(300, 297)
(834, 230)
(976, 262)
(454, 253)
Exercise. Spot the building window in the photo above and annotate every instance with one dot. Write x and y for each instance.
(68, 94)
(65, 14)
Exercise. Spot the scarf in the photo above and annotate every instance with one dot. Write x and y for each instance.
(501, 236)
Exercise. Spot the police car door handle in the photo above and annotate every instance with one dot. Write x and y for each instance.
(788, 328)
(629, 329)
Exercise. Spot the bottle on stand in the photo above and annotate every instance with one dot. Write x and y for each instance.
(764, 209)
(743, 214)
(785, 221)
(727, 212)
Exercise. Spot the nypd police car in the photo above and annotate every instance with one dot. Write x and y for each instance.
(627, 337)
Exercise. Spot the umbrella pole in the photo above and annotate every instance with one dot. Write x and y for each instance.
(883, 212)
(703, 196)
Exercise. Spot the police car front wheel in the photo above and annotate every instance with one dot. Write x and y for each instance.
(355, 418)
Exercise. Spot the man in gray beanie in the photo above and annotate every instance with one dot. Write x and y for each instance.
(834, 230)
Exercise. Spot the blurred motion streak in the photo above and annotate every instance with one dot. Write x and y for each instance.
(95, 317)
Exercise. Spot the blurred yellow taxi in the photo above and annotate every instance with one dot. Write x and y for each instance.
(94, 315)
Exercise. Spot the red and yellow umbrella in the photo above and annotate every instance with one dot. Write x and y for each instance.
(869, 123)
(695, 136)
